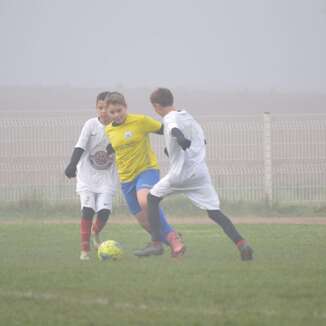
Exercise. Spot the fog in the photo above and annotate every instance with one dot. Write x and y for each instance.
(212, 46)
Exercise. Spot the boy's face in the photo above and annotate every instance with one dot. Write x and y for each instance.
(117, 112)
(158, 109)
(101, 112)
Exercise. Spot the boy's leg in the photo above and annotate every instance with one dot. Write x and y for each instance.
(165, 227)
(155, 220)
(204, 196)
(155, 247)
(85, 227)
(130, 195)
(103, 208)
(101, 219)
(87, 200)
(229, 229)
(146, 180)
(98, 225)
(225, 223)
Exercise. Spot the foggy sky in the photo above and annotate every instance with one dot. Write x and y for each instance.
(219, 45)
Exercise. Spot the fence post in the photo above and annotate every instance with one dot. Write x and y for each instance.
(268, 182)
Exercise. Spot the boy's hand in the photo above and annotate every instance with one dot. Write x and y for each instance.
(70, 171)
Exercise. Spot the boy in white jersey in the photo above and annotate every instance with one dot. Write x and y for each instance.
(96, 176)
(188, 173)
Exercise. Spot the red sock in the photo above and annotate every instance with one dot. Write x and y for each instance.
(240, 243)
(85, 233)
(98, 225)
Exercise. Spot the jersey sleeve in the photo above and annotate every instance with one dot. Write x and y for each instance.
(170, 123)
(150, 124)
(84, 137)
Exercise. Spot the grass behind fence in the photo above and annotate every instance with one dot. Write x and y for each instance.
(174, 206)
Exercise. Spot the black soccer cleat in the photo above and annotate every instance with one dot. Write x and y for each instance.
(150, 250)
(246, 252)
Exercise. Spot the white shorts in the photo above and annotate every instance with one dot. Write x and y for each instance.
(198, 188)
(96, 201)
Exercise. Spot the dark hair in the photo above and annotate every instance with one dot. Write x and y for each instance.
(162, 96)
(102, 96)
(115, 98)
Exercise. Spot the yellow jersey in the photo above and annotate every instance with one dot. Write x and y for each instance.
(130, 141)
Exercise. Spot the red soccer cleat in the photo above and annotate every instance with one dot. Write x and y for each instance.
(176, 244)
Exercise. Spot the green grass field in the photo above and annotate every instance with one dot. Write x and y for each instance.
(42, 281)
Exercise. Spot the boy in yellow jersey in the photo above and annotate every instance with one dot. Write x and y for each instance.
(137, 166)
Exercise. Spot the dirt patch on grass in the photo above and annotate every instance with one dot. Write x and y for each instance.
(182, 220)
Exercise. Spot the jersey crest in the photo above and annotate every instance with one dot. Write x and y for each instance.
(128, 134)
(101, 160)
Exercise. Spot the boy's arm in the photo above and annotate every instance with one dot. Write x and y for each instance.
(78, 151)
(151, 125)
(183, 142)
(160, 131)
(71, 168)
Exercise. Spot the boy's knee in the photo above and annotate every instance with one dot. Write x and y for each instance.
(143, 203)
(142, 198)
(153, 199)
(87, 212)
(104, 214)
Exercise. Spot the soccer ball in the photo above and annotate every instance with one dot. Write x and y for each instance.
(110, 250)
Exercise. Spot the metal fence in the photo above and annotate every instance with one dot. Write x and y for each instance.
(270, 157)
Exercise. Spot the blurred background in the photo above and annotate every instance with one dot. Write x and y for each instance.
(228, 62)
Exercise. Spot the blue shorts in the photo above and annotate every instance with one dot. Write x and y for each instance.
(145, 180)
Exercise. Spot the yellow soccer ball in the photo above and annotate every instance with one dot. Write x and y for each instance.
(110, 250)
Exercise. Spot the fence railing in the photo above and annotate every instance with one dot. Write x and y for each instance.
(251, 158)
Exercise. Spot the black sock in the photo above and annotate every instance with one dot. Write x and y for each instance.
(228, 227)
(154, 216)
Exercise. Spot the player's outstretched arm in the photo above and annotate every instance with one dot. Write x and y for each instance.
(160, 131)
(183, 142)
(70, 170)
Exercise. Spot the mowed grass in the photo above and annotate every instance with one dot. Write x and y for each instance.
(42, 281)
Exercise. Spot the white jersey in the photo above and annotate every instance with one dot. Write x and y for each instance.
(96, 171)
(184, 163)
(188, 173)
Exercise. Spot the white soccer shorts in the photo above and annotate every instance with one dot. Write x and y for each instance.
(198, 188)
(96, 201)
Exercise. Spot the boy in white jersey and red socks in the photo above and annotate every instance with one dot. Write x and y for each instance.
(188, 173)
(96, 176)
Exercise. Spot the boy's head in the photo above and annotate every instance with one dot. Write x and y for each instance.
(116, 107)
(100, 107)
(162, 101)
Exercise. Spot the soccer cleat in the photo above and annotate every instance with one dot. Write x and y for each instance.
(84, 255)
(176, 244)
(246, 252)
(96, 240)
(152, 249)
